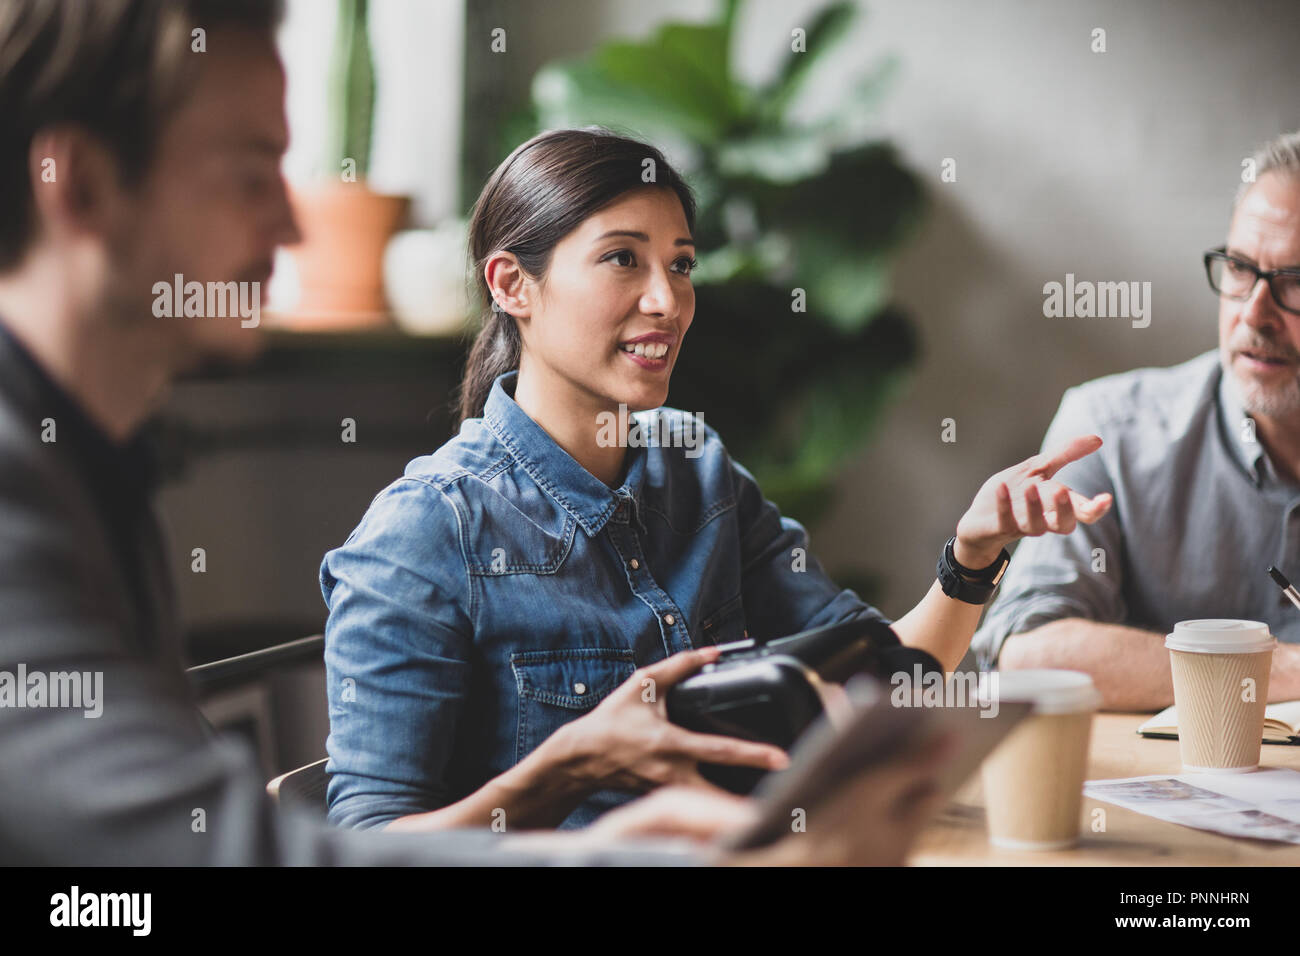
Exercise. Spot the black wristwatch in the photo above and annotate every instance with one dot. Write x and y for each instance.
(964, 584)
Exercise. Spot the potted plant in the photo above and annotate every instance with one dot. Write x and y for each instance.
(345, 224)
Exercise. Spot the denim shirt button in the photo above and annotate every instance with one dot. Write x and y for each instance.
(669, 620)
(634, 564)
(580, 688)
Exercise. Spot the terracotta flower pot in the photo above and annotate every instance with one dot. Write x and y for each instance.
(345, 228)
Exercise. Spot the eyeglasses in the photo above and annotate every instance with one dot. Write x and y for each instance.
(1235, 279)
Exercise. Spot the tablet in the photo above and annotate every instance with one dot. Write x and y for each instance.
(872, 733)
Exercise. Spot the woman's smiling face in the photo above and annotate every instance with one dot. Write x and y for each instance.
(615, 304)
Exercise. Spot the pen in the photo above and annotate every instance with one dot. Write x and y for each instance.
(1287, 587)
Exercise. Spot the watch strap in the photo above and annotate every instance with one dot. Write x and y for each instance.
(973, 586)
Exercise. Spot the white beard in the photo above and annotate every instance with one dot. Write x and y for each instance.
(1277, 401)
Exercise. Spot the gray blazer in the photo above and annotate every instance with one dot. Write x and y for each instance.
(144, 782)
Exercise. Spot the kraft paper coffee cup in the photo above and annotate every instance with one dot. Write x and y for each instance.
(1220, 670)
(1033, 781)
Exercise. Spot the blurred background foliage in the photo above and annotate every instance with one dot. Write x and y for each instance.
(352, 98)
(788, 201)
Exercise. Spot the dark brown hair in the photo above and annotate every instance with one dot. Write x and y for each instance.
(115, 67)
(541, 193)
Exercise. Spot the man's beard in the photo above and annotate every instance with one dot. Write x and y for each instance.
(1257, 398)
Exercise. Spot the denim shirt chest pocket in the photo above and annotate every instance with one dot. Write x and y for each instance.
(725, 625)
(558, 686)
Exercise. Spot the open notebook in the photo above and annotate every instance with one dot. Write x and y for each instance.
(1281, 723)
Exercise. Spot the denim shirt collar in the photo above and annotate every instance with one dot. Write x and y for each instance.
(589, 500)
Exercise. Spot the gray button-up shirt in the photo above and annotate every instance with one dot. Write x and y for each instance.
(1199, 513)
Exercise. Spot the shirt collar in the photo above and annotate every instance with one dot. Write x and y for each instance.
(588, 499)
(113, 469)
(1244, 442)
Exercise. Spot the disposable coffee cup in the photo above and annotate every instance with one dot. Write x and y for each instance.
(1033, 781)
(1221, 670)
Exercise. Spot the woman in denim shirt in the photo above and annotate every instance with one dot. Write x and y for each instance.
(489, 615)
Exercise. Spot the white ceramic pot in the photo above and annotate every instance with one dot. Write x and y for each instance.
(425, 279)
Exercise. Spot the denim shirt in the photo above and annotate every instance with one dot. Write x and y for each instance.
(498, 590)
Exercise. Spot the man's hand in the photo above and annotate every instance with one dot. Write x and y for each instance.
(1284, 673)
(870, 820)
(691, 812)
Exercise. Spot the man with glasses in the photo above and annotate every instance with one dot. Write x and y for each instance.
(1203, 460)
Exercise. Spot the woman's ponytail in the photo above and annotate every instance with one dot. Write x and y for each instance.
(495, 351)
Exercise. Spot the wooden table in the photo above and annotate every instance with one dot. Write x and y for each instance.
(958, 836)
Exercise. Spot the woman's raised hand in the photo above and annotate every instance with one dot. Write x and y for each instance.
(1026, 500)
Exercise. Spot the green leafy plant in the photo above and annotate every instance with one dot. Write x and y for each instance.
(798, 209)
(352, 101)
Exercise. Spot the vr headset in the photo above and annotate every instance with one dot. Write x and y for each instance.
(771, 691)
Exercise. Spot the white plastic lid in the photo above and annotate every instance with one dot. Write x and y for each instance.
(1215, 636)
(1050, 691)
